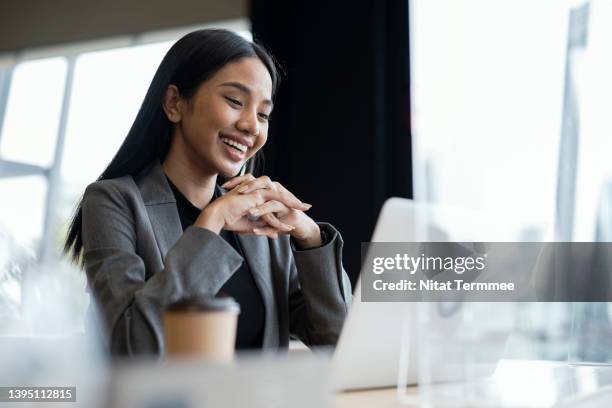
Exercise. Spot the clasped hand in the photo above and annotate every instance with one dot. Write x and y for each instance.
(263, 207)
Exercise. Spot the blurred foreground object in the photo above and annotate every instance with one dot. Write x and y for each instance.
(44, 341)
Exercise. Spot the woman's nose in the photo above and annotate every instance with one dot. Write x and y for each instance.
(248, 123)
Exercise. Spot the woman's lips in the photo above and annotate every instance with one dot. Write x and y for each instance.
(233, 153)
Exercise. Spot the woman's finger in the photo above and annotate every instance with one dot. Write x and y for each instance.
(259, 223)
(266, 231)
(247, 227)
(228, 185)
(272, 190)
(276, 223)
(268, 212)
(286, 193)
(262, 182)
(279, 187)
(284, 197)
(271, 206)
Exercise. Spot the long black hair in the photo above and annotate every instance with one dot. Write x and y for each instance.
(190, 61)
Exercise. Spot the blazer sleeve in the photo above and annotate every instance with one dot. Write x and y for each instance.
(319, 291)
(131, 305)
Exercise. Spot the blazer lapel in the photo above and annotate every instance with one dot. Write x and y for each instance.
(257, 255)
(166, 225)
(161, 208)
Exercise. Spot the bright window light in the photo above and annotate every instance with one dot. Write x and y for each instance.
(33, 111)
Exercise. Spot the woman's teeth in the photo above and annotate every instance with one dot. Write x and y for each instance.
(232, 143)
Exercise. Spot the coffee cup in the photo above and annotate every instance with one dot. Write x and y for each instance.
(202, 327)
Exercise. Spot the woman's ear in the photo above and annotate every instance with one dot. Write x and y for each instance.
(172, 104)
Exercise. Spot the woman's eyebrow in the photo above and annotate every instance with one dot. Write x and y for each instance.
(246, 90)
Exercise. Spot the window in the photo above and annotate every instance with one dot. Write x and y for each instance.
(511, 106)
(487, 103)
(29, 132)
(109, 87)
(108, 83)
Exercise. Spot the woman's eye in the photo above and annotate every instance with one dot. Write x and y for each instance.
(234, 101)
(264, 116)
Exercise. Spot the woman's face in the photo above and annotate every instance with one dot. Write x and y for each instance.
(226, 121)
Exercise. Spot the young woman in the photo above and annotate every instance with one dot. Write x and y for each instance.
(157, 227)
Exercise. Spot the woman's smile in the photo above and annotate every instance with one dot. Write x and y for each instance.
(235, 151)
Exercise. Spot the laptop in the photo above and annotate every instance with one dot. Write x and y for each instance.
(368, 351)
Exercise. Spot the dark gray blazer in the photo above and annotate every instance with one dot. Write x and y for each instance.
(138, 260)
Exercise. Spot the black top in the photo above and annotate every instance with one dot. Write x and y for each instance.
(241, 286)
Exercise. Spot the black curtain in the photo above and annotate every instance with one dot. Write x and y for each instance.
(340, 131)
